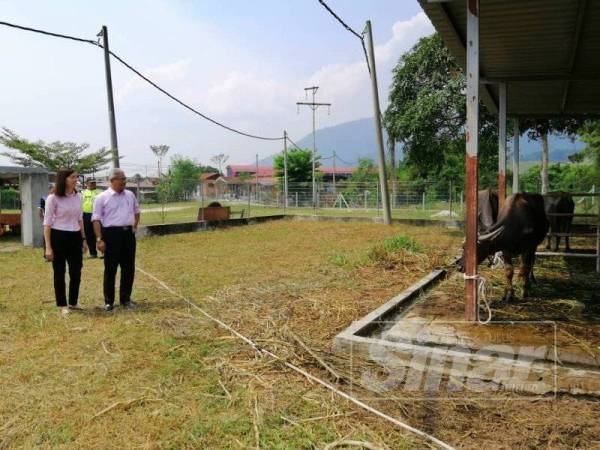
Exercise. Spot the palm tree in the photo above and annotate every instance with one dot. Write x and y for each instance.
(159, 151)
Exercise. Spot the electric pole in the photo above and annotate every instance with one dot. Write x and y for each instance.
(313, 106)
(109, 93)
(387, 215)
(285, 168)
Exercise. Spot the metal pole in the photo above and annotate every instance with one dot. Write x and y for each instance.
(285, 169)
(109, 93)
(256, 178)
(334, 190)
(387, 214)
(472, 143)
(249, 193)
(515, 158)
(314, 153)
(502, 144)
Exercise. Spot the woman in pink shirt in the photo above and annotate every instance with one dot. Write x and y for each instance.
(65, 239)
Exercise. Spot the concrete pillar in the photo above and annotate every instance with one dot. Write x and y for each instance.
(33, 187)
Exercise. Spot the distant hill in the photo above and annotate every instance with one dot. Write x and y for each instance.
(356, 139)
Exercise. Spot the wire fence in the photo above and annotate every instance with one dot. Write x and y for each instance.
(173, 201)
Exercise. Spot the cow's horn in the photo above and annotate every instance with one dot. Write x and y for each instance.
(491, 235)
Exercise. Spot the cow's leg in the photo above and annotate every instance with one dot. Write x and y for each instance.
(509, 271)
(548, 240)
(526, 273)
(568, 230)
(557, 240)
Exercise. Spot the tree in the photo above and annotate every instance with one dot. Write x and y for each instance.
(299, 165)
(589, 133)
(539, 129)
(181, 181)
(160, 151)
(54, 155)
(366, 172)
(427, 113)
(220, 160)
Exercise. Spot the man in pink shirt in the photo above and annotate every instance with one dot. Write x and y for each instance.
(116, 215)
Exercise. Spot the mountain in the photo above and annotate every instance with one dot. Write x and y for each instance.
(350, 140)
(356, 139)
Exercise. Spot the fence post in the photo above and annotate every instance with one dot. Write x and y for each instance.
(450, 195)
(423, 200)
(249, 194)
(377, 200)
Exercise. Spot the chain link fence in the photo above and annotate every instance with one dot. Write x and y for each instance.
(172, 201)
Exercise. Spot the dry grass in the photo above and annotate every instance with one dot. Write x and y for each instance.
(162, 376)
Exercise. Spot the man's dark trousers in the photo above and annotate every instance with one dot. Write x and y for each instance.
(88, 227)
(120, 251)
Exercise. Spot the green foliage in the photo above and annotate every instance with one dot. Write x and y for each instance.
(9, 198)
(54, 155)
(427, 113)
(299, 164)
(181, 181)
(338, 260)
(366, 172)
(590, 135)
(383, 253)
(402, 242)
(563, 177)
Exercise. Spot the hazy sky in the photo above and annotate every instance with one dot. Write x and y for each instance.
(242, 62)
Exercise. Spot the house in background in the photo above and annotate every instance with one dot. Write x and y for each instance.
(266, 173)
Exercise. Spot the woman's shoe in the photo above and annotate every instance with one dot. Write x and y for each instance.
(64, 311)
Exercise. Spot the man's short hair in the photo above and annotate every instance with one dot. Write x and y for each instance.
(114, 173)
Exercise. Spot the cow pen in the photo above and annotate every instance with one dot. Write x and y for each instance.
(447, 326)
(587, 231)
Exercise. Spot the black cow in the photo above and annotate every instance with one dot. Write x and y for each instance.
(521, 226)
(559, 203)
(487, 209)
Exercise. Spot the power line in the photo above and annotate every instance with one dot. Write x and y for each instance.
(48, 33)
(347, 27)
(185, 105)
(138, 73)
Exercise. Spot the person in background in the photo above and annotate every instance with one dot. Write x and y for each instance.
(41, 211)
(116, 216)
(64, 238)
(88, 196)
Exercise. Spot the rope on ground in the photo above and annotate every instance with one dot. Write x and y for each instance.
(303, 372)
(481, 296)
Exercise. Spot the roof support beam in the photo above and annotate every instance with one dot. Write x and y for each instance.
(472, 144)
(487, 96)
(581, 4)
(501, 145)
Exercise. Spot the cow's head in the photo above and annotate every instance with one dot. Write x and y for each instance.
(486, 246)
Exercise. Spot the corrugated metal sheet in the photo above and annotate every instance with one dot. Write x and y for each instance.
(533, 46)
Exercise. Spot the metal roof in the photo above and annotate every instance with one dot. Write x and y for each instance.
(10, 172)
(547, 52)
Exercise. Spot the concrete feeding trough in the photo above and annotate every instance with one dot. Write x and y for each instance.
(414, 331)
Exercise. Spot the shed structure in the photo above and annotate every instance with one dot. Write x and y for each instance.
(534, 58)
(33, 185)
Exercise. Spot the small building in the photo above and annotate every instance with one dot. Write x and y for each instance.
(33, 185)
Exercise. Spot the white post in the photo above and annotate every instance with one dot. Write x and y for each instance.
(515, 158)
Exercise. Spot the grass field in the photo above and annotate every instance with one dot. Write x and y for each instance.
(188, 211)
(162, 376)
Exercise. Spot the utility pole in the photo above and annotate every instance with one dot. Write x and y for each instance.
(313, 106)
(109, 93)
(285, 168)
(387, 214)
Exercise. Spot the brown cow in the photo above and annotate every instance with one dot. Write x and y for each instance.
(521, 226)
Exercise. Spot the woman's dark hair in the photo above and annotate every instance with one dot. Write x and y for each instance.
(61, 181)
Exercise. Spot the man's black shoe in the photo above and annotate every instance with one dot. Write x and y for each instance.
(108, 307)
